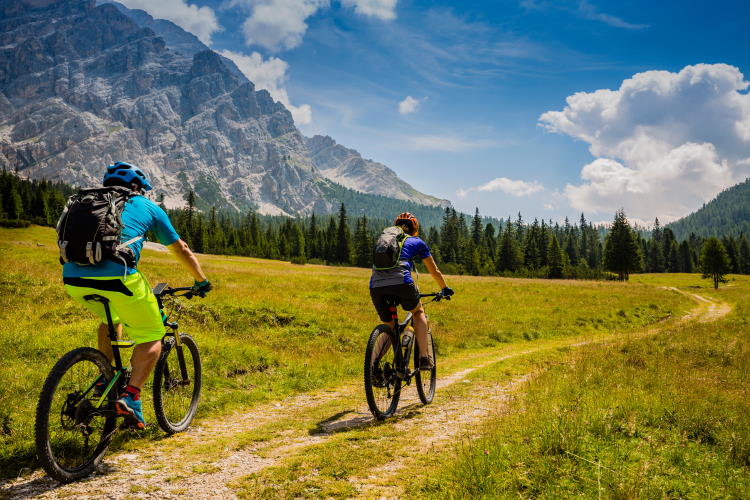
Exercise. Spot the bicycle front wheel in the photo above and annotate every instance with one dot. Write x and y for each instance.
(426, 380)
(177, 384)
(382, 385)
(71, 432)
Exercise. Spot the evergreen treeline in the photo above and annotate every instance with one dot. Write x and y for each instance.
(461, 244)
(38, 202)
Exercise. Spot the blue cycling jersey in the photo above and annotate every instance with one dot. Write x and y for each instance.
(413, 248)
(139, 216)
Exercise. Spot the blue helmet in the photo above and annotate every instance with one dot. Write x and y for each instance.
(127, 174)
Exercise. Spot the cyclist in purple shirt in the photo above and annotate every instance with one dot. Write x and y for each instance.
(399, 284)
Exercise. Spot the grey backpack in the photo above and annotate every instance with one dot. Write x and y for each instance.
(387, 252)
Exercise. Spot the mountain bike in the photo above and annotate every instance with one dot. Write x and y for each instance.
(76, 417)
(387, 362)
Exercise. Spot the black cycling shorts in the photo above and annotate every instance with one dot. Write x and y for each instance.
(406, 295)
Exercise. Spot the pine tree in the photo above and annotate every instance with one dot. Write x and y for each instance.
(621, 252)
(686, 259)
(714, 261)
(344, 239)
(744, 255)
(362, 244)
(313, 251)
(555, 259)
(476, 228)
(509, 256)
(330, 241)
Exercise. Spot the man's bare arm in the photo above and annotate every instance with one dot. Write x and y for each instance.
(187, 258)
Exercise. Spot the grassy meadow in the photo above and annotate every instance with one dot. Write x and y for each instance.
(271, 329)
(664, 416)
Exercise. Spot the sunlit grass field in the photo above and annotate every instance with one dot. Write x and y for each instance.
(666, 416)
(271, 329)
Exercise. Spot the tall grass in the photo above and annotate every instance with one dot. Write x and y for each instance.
(271, 329)
(666, 416)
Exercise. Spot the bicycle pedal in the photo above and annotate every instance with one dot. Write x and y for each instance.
(132, 424)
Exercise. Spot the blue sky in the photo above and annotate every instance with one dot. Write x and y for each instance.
(454, 96)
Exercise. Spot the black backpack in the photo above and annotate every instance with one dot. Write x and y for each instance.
(387, 252)
(90, 227)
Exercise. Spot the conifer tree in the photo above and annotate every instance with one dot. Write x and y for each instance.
(509, 256)
(362, 244)
(330, 241)
(714, 261)
(344, 238)
(621, 252)
(686, 258)
(555, 259)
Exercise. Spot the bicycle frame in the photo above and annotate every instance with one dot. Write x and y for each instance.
(120, 373)
(404, 354)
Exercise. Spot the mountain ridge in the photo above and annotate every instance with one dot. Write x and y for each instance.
(84, 84)
(727, 214)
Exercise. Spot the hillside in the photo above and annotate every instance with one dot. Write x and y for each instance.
(727, 214)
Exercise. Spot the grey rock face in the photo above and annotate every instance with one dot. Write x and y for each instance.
(347, 167)
(83, 85)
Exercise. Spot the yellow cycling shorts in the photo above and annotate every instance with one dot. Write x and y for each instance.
(131, 302)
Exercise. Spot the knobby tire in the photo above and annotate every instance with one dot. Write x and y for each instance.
(426, 394)
(52, 454)
(369, 379)
(167, 395)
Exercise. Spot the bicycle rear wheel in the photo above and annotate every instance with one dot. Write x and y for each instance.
(71, 433)
(177, 384)
(426, 381)
(382, 385)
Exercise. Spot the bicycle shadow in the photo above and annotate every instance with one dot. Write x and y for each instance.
(44, 484)
(335, 424)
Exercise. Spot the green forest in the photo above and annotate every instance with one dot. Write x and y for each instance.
(460, 243)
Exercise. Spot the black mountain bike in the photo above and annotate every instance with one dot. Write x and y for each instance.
(387, 364)
(76, 417)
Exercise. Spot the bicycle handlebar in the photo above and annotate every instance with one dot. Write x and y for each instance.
(163, 289)
(437, 296)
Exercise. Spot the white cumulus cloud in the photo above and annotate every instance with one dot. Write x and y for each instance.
(408, 105)
(270, 74)
(381, 9)
(665, 142)
(200, 21)
(277, 24)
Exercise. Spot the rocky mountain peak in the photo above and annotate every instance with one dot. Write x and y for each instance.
(83, 85)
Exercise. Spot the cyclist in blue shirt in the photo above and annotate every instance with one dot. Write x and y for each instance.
(132, 303)
(398, 283)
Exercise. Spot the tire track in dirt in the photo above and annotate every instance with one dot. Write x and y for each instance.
(153, 472)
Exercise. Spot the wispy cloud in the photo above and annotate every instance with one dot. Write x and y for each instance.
(445, 143)
(591, 13)
(381, 9)
(583, 9)
(513, 187)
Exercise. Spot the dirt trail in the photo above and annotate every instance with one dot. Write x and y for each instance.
(168, 472)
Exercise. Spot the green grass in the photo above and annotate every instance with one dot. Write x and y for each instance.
(271, 329)
(666, 416)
